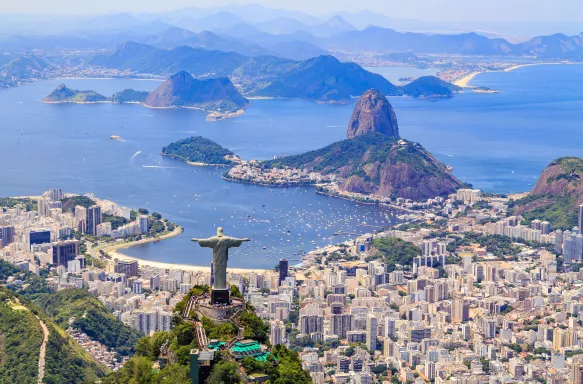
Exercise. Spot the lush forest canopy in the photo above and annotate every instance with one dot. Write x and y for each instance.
(557, 210)
(10, 202)
(395, 251)
(20, 341)
(98, 322)
(69, 203)
(198, 150)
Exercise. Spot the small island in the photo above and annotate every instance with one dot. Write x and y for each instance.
(62, 94)
(200, 151)
(219, 97)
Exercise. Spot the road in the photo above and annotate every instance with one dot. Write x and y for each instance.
(43, 351)
(43, 346)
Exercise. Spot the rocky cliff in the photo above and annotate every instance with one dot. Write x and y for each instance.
(373, 113)
(557, 194)
(182, 90)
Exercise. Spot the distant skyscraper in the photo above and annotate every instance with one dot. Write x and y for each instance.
(341, 324)
(65, 251)
(143, 223)
(277, 332)
(6, 235)
(577, 370)
(42, 206)
(129, 268)
(54, 194)
(460, 309)
(93, 219)
(283, 266)
(372, 326)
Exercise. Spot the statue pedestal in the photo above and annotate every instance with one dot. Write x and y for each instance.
(220, 296)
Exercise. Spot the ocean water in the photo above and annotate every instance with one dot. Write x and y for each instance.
(393, 74)
(499, 143)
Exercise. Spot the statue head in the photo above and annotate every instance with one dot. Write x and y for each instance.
(220, 232)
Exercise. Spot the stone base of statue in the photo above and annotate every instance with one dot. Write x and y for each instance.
(208, 307)
(220, 296)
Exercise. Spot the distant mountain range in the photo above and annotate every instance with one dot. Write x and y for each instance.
(287, 37)
(323, 78)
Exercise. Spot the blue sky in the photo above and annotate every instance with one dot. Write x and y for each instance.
(482, 10)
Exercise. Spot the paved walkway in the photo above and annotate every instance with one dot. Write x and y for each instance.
(43, 351)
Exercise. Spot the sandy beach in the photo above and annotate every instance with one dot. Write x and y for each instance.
(464, 82)
(113, 252)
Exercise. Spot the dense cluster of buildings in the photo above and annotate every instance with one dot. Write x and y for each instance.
(35, 238)
(249, 172)
(449, 316)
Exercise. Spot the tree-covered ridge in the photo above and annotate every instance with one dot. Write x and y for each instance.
(556, 195)
(345, 153)
(394, 251)
(497, 245)
(129, 96)
(560, 211)
(91, 317)
(69, 203)
(68, 362)
(31, 283)
(571, 169)
(199, 150)
(11, 202)
(20, 341)
(21, 337)
(62, 94)
(430, 86)
(373, 163)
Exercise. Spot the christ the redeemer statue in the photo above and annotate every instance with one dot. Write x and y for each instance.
(220, 245)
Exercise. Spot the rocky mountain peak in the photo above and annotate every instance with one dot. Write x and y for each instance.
(373, 113)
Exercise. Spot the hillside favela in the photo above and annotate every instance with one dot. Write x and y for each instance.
(266, 191)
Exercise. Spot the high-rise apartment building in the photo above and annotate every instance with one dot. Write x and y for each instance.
(129, 268)
(6, 235)
(93, 220)
(277, 332)
(65, 251)
(372, 326)
(460, 310)
(283, 267)
(576, 374)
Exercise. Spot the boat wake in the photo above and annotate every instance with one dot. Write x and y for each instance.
(135, 154)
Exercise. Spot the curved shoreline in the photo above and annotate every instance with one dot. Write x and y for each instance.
(112, 251)
(123, 245)
(464, 82)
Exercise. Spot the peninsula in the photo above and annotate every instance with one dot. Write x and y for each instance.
(218, 97)
(373, 162)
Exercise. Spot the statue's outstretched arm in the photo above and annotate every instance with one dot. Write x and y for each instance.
(205, 243)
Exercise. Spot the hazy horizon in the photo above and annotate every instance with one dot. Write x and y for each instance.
(429, 10)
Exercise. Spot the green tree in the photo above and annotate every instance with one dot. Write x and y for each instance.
(173, 374)
(225, 372)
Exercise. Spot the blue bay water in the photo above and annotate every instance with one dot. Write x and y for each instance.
(499, 143)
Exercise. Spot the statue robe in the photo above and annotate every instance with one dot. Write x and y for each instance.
(220, 246)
